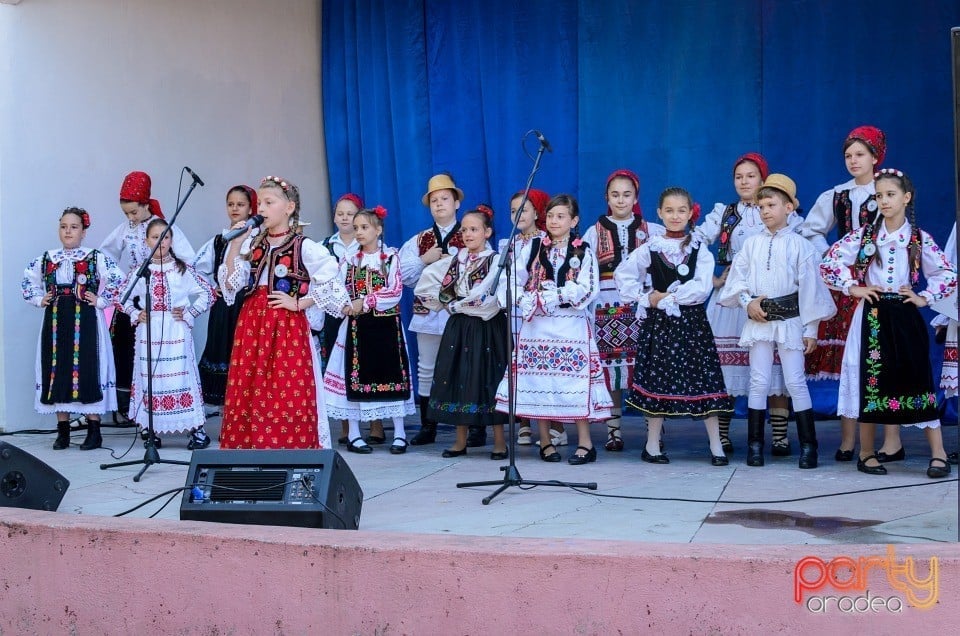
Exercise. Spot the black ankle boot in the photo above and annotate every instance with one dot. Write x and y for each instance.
(63, 436)
(93, 438)
(755, 422)
(807, 433)
(428, 428)
(477, 436)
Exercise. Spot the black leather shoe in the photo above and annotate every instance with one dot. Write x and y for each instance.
(477, 436)
(754, 454)
(938, 472)
(448, 453)
(952, 457)
(343, 441)
(719, 460)
(399, 446)
(726, 445)
(586, 458)
(63, 436)
(843, 455)
(361, 448)
(426, 435)
(870, 470)
(654, 459)
(498, 455)
(552, 457)
(884, 458)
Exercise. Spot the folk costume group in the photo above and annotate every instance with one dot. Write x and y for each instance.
(628, 312)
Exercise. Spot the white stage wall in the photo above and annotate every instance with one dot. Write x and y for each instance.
(94, 89)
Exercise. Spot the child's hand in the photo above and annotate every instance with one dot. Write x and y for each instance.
(870, 292)
(346, 310)
(655, 297)
(755, 312)
(90, 298)
(142, 317)
(177, 313)
(432, 255)
(279, 300)
(357, 306)
(809, 344)
(910, 297)
(47, 299)
(239, 239)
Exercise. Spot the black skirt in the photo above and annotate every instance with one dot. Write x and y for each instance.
(375, 359)
(678, 372)
(70, 347)
(215, 360)
(896, 382)
(470, 365)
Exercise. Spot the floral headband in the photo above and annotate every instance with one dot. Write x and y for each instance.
(888, 171)
(271, 180)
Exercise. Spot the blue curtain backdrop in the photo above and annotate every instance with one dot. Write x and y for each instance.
(672, 90)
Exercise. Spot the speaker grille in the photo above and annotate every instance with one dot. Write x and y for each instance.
(248, 485)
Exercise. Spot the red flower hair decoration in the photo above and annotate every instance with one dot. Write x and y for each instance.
(381, 212)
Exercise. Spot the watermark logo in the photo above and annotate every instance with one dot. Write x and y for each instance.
(813, 576)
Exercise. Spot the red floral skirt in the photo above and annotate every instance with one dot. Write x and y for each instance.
(271, 397)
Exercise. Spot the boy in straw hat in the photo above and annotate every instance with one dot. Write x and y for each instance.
(442, 240)
(776, 278)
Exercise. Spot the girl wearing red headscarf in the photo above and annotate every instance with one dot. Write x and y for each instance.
(847, 207)
(732, 224)
(241, 205)
(127, 245)
(614, 236)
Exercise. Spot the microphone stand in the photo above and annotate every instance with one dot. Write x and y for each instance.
(151, 456)
(511, 476)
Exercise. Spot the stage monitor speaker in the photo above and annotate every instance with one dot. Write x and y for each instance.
(27, 482)
(305, 488)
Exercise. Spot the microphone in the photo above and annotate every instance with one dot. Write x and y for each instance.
(254, 221)
(543, 142)
(200, 181)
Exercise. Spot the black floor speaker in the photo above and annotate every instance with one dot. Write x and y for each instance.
(27, 482)
(305, 488)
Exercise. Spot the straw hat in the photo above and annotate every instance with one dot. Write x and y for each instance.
(441, 182)
(784, 184)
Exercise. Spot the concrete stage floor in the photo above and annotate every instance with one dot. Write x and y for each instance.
(417, 493)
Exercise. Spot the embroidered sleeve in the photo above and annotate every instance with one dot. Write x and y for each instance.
(32, 283)
(696, 290)
(410, 264)
(819, 222)
(389, 295)
(130, 307)
(112, 246)
(631, 275)
(233, 281)
(202, 290)
(709, 229)
(836, 268)
(479, 302)
(427, 287)
(940, 273)
(204, 261)
(111, 280)
(581, 291)
(326, 290)
(737, 290)
(181, 246)
(816, 303)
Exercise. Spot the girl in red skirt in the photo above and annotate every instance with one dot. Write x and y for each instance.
(273, 398)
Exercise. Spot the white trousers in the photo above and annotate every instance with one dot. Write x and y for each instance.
(794, 376)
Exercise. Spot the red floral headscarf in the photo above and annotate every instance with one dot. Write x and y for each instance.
(539, 199)
(757, 159)
(874, 139)
(136, 187)
(632, 176)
